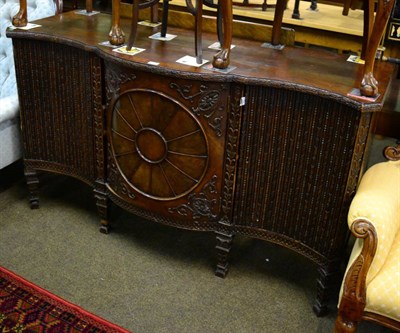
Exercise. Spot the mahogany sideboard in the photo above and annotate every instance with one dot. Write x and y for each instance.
(272, 149)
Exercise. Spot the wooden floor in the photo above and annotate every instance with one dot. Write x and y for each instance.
(326, 27)
(327, 17)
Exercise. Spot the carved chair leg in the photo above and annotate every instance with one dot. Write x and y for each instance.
(277, 25)
(154, 13)
(32, 181)
(369, 85)
(134, 24)
(221, 59)
(198, 29)
(223, 247)
(164, 22)
(314, 5)
(89, 6)
(345, 325)
(220, 27)
(296, 11)
(116, 35)
(21, 18)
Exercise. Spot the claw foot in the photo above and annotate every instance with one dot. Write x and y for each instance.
(20, 19)
(116, 36)
(221, 59)
(369, 85)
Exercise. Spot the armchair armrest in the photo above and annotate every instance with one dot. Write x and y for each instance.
(377, 202)
(374, 219)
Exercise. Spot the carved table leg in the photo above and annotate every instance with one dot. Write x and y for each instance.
(116, 35)
(224, 243)
(221, 59)
(21, 18)
(369, 85)
(32, 181)
(102, 202)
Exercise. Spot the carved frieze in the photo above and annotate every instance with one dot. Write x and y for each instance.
(206, 103)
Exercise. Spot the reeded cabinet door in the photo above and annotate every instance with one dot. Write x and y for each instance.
(166, 146)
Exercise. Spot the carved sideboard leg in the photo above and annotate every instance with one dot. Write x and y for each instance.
(369, 85)
(116, 35)
(32, 181)
(221, 59)
(102, 202)
(324, 284)
(21, 18)
(224, 243)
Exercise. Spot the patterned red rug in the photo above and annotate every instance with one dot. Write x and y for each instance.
(25, 307)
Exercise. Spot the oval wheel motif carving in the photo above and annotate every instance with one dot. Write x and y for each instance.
(159, 147)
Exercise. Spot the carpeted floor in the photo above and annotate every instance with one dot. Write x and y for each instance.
(150, 278)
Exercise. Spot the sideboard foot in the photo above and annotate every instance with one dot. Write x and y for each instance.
(324, 287)
(102, 202)
(104, 227)
(32, 180)
(224, 243)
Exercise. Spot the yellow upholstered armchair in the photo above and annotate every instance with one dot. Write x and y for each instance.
(371, 285)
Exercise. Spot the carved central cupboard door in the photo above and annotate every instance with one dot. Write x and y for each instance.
(165, 142)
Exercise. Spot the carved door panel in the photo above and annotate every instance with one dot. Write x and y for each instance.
(166, 146)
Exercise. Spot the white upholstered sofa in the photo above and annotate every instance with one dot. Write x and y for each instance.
(10, 143)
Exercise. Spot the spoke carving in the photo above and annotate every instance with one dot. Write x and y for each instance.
(161, 157)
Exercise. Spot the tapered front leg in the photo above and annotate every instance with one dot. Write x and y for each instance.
(134, 24)
(32, 181)
(223, 247)
(102, 203)
(116, 35)
(198, 31)
(221, 59)
(21, 18)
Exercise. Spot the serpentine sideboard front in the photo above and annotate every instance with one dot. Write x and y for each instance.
(272, 150)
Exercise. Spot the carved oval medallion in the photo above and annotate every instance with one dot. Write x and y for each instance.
(159, 147)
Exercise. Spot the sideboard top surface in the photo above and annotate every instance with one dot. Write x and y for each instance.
(310, 70)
